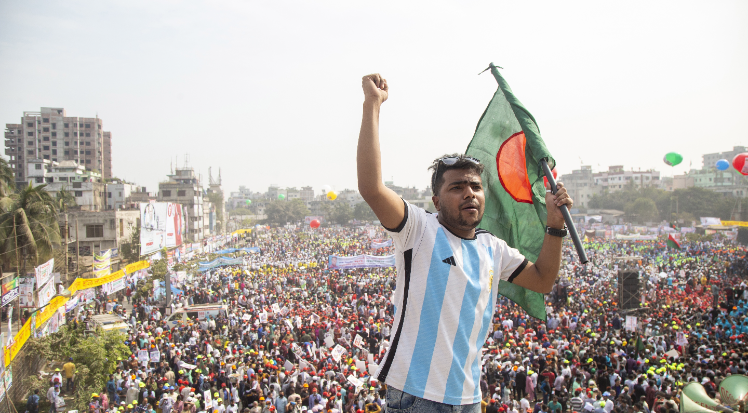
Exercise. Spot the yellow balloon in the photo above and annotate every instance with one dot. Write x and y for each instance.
(332, 195)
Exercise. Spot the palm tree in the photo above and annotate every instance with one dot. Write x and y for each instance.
(28, 227)
(7, 182)
(64, 199)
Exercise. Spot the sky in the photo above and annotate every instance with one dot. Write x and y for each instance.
(270, 92)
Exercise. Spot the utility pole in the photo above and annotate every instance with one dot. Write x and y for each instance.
(67, 230)
(77, 248)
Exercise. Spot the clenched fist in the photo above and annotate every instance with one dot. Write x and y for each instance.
(375, 88)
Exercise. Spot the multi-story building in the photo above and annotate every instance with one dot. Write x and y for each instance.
(183, 187)
(52, 135)
(86, 186)
(118, 192)
(728, 182)
(710, 159)
(581, 186)
(616, 178)
(239, 199)
(351, 196)
(97, 231)
(218, 207)
(307, 194)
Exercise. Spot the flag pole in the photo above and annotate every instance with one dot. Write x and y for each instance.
(549, 175)
(565, 212)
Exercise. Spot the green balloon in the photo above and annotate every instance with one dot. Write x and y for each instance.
(248, 202)
(281, 196)
(673, 158)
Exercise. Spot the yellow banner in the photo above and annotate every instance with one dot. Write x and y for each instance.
(56, 303)
(18, 341)
(735, 223)
(137, 266)
(242, 231)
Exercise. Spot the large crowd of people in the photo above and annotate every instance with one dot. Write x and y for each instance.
(298, 336)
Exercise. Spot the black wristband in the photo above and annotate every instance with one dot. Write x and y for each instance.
(555, 231)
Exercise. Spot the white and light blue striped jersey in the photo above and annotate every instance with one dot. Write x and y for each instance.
(444, 299)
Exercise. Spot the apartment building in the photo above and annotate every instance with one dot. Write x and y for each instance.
(52, 135)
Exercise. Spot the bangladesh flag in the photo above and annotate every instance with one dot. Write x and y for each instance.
(673, 241)
(507, 142)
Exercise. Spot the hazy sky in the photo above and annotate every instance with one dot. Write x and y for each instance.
(269, 91)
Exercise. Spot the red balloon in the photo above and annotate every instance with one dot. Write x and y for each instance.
(545, 180)
(314, 223)
(740, 164)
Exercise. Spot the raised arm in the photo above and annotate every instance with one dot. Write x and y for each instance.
(385, 203)
(541, 275)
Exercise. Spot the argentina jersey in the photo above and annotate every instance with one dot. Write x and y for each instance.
(445, 298)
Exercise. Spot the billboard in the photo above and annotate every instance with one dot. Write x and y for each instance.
(161, 225)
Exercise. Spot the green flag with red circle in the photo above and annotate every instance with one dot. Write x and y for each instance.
(507, 142)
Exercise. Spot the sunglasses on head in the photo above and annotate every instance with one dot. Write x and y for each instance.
(449, 160)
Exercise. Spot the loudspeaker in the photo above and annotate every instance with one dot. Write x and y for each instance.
(628, 290)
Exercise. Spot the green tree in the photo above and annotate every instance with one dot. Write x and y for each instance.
(29, 229)
(7, 182)
(282, 212)
(363, 212)
(64, 200)
(130, 250)
(643, 210)
(95, 357)
(337, 212)
(241, 211)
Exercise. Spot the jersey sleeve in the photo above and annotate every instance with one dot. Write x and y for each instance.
(404, 235)
(510, 262)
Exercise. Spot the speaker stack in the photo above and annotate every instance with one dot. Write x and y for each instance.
(628, 289)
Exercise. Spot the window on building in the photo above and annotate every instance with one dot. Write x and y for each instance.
(45, 138)
(78, 194)
(54, 126)
(88, 143)
(88, 152)
(121, 227)
(67, 153)
(63, 178)
(75, 134)
(38, 166)
(54, 151)
(45, 147)
(29, 133)
(30, 143)
(166, 192)
(49, 180)
(88, 135)
(45, 130)
(54, 134)
(88, 161)
(30, 152)
(181, 192)
(67, 125)
(45, 120)
(88, 125)
(46, 157)
(30, 124)
(39, 180)
(77, 185)
(67, 134)
(67, 143)
(109, 194)
(94, 231)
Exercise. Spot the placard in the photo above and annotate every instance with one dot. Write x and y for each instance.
(155, 356)
(338, 352)
(630, 323)
(275, 307)
(44, 272)
(357, 341)
(26, 291)
(143, 356)
(45, 294)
